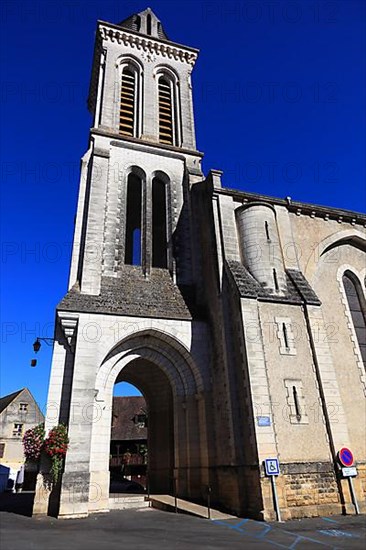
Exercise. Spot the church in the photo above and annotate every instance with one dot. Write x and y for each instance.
(240, 317)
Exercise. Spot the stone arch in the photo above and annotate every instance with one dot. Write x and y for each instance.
(348, 236)
(151, 341)
(160, 352)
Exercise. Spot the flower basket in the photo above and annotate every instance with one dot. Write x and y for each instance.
(55, 446)
(33, 441)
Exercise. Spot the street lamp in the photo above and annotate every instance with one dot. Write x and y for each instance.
(37, 343)
(37, 347)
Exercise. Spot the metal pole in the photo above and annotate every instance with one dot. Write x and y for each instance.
(353, 495)
(209, 502)
(175, 496)
(275, 498)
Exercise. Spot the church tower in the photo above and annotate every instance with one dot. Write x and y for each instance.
(211, 301)
(133, 204)
(130, 312)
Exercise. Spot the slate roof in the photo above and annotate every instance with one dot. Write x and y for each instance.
(132, 294)
(132, 23)
(298, 288)
(7, 399)
(124, 426)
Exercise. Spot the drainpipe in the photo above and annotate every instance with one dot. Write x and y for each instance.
(324, 406)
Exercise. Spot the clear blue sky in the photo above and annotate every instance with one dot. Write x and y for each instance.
(279, 92)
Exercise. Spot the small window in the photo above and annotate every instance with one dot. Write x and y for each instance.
(275, 280)
(285, 336)
(2, 450)
(296, 402)
(23, 407)
(148, 24)
(141, 420)
(17, 430)
(267, 230)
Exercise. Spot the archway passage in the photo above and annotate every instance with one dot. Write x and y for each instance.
(128, 448)
(156, 389)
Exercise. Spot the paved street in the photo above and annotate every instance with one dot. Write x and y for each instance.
(149, 529)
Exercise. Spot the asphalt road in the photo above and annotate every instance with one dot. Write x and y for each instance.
(147, 529)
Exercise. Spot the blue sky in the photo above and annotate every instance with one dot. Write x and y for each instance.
(279, 92)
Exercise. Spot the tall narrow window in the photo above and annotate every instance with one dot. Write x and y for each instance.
(127, 121)
(165, 92)
(275, 280)
(285, 335)
(296, 403)
(148, 24)
(159, 248)
(133, 220)
(358, 311)
(267, 230)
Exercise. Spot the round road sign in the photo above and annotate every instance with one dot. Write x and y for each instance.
(345, 457)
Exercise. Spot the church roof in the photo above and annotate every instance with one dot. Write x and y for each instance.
(132, 294)
(298, 289)
(138, 23)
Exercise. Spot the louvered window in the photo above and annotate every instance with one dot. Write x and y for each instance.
(166, 129)
(358, 313)
(128, 97)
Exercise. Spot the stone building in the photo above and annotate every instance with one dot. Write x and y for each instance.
(128, 448)
(18, 413)
(240, 317)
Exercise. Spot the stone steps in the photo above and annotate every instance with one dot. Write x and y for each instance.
(118, 501)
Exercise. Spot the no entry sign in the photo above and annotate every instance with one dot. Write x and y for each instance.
(345, 457)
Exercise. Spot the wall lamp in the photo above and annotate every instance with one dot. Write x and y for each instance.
(37, 347)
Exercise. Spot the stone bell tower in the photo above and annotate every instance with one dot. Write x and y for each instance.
(130, 312)
(142, 156)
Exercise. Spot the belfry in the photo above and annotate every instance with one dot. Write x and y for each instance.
(244, 340)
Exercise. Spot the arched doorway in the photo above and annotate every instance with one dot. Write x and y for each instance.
(162, 369)
(154, 385)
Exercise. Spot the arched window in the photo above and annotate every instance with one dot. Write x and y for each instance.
(166, 129)
(356, 303)
(169, 113)
(133, 220)
(129, 99)
(159, 224)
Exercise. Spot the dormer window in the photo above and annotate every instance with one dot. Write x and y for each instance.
(141, 420)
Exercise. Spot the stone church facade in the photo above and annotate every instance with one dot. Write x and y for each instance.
(240, 317)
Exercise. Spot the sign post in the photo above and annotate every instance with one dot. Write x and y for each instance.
(272, 468)
(345, 457)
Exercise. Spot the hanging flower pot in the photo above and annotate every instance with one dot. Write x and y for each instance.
(33, 441)
(55, 447)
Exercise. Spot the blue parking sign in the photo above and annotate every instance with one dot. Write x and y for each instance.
(272, 466)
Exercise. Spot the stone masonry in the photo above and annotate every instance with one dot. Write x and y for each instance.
(228, 310)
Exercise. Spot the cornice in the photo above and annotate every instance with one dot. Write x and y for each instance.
(152, 46)
(297, 207)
